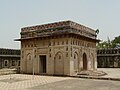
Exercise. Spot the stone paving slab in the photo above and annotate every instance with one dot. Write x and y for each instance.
(10, 82)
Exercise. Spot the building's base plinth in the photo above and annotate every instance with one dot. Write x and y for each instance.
(92, 73)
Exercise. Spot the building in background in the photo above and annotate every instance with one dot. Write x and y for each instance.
(108, 58)
(60, 48)
(9, 58)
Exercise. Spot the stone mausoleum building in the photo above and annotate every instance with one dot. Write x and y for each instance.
(60, 48)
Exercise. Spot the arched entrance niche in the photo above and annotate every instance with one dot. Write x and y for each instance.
(84, 61)
(76, 61)
(29, 63)
(58, 64)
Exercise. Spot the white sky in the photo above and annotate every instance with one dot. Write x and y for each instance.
(15, 14)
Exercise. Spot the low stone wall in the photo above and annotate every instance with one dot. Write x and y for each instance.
(7, 71)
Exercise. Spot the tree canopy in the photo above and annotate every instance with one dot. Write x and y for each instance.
(115, 43)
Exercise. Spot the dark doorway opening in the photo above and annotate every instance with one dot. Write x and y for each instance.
(43, 64)
(84, 61)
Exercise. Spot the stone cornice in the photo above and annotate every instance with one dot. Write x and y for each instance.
(57, 25)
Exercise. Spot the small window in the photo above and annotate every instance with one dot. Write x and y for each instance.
(74, 56)
(50, 55)
(29, 57)
(35, 51)
(6, 63)
(35, 56)
(59, 57)
(50, 49)
(66, 48)
(18, 63)
(31, 45)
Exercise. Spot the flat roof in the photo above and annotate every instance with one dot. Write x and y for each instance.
(57, 28)
(58, 24)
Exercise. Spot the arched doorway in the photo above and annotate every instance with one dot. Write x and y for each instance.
(58, 64)
(84, 61)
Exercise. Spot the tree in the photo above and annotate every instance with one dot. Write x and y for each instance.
(116, 42)
(104, 44)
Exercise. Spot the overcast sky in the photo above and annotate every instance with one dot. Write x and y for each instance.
(97, 14)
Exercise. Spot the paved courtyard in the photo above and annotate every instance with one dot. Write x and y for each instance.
(111, 72)
(21, 82)
(38, 82)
